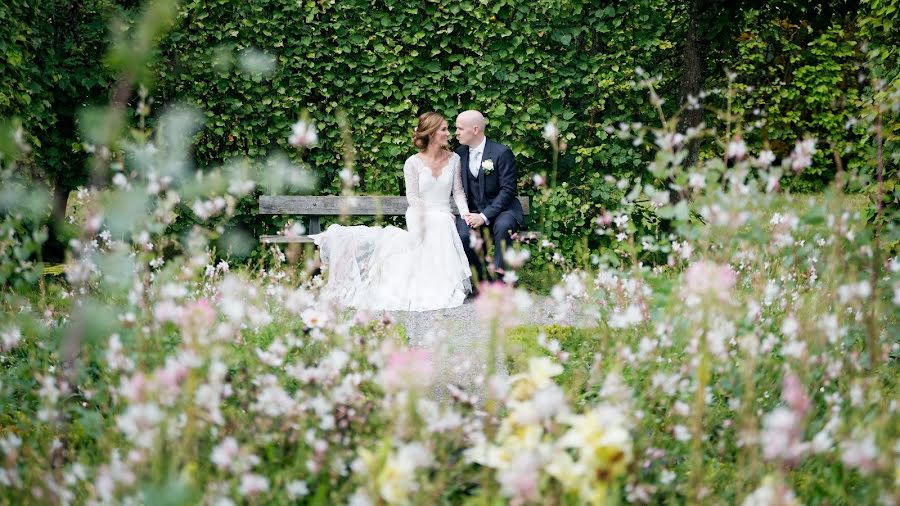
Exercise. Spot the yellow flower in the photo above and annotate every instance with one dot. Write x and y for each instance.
(603, 444)
(488, 455)
(395, 481)
(368, 459)
(523, 436)
(541, 371)
(569, 473)
(595, 494)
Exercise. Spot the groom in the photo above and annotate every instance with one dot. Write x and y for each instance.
(489, 178)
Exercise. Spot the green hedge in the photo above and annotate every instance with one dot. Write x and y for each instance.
(51, 56)
(383, 63)
(51, 65)
(522, 63)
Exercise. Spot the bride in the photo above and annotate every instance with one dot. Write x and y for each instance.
(421, 268)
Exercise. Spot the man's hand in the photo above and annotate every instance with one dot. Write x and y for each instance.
(474, 220)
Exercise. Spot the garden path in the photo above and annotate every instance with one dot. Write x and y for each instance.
(457, 340)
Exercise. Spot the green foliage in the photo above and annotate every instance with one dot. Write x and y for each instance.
(22, 209)
(580, 345)
(879, 25)
(384, 64)
(253, 68)
(52, 68)
(565, 208)
(802, 82)
(521, 64)
(139, 350)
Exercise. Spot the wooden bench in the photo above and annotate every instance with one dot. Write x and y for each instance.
(315, 207)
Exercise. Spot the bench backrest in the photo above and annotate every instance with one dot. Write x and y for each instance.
(338, 205)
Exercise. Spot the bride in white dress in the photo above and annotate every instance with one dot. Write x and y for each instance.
(421, 268)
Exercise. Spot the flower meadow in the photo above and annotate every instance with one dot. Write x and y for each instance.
(745, 351)
(757, 364)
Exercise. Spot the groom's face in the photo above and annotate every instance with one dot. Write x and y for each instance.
(465, 134)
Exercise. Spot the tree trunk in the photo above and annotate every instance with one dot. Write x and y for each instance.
(693, 63)
(54, 249)
(68, 171)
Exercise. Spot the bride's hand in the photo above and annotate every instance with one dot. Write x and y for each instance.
(474, 220)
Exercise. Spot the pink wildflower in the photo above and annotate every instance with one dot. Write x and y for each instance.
(407, 368)
(134, 388)
(794, 394)
(225, 453)
(303, 134)
(499, 303)
(801, 156)
(737, 148)
(197, 316)
(861, 454)
(253, 484)
(171, 376)
(708, 279)
(519, 482)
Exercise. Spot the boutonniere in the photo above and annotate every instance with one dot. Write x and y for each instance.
(487, 166)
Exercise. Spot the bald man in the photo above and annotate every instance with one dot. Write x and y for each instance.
(489, 178)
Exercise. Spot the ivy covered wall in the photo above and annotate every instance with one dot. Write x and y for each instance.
(255, 67)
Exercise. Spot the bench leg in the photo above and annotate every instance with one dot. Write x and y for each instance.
(314, 227)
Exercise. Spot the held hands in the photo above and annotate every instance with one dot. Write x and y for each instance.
(473, 220)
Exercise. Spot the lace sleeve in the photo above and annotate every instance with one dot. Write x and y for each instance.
(459, 194)
(411, 176)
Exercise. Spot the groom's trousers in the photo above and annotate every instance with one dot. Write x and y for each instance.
(501, 229)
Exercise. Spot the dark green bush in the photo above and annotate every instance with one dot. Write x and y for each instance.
(255, 67)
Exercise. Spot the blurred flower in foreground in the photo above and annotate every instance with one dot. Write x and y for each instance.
(771, 492)
(737, 148)
(669, 141)
(601, 440)
(501, 304)
(782, 434)
(801, 156)
(303, 134)
(395, 473)
(540, 374)
(408, 368)
(765, 158)
(708, 278)
(254, 61)
(10, 338)
(551, 131)
(516, 258)
(861, 454)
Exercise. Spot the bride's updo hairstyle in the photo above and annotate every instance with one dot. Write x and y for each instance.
(429, 123)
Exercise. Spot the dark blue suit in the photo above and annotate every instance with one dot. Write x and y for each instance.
(493, 195)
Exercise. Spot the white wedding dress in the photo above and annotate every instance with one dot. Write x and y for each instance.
(421, 268)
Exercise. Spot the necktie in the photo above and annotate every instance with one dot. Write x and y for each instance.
(473, 162)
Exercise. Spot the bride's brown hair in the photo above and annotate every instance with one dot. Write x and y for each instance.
(429, 123)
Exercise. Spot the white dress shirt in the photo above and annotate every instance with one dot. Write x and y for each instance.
(475, 155)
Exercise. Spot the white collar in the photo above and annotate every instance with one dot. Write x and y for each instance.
(480, 147)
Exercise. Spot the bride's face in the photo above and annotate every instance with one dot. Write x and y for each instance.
(442, 136)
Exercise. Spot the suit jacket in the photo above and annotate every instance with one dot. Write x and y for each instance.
(499, 187)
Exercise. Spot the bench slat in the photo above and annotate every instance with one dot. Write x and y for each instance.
(524, 236)
(282, 239)
(336, 205)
